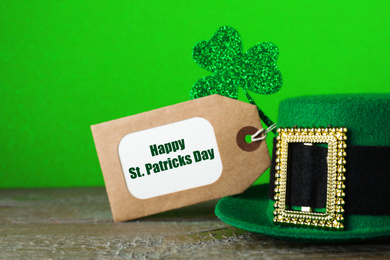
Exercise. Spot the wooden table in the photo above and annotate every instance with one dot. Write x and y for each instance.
(76, 223)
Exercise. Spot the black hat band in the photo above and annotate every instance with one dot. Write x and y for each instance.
(367, 178)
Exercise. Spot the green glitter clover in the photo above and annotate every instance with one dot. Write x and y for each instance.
(255, 70)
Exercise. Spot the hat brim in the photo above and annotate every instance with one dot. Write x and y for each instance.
(252, 211)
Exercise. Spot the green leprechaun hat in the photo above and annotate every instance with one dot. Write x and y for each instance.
(330, 178)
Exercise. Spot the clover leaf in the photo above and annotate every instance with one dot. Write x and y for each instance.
(255, 70)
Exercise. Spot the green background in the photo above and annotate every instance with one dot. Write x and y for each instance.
(65, 65)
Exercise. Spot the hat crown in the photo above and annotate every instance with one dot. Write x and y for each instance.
(366, 116)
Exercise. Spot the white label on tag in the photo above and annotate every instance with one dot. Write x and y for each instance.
(170, 158)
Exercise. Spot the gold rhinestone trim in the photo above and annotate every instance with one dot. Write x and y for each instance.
(333, 217)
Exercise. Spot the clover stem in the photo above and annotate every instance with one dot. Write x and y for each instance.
(262, 115)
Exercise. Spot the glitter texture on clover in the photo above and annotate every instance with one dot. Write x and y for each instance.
(255, 70)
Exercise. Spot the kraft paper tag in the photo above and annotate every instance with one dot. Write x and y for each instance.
(179, 155)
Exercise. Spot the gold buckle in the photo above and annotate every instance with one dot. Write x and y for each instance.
(333, 217)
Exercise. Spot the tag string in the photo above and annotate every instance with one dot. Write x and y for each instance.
(266, 131)
(262, 115)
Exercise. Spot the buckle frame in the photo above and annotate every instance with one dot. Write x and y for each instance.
(333, 217)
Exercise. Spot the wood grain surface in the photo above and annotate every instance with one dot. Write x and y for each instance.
(76, 223)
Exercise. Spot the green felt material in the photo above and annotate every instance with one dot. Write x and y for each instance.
(252, 211)
(65, 65)
(366, 116)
